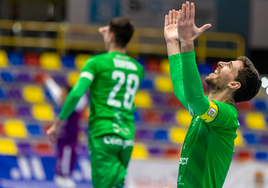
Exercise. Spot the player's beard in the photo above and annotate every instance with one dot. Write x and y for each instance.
(215, 85)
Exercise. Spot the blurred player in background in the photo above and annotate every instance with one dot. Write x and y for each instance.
(67, 140)
(209, 144)
(113, 79)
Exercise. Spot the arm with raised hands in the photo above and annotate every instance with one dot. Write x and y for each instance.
(174, 56)
(187, 32)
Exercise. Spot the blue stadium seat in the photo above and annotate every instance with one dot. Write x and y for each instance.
(261, 156)
(161, 135)
(205, 68)
(260, 105)
(250, 138)
(2, 94)
(137, 117)
(147, 84)
(7, 77)
(141, 61)
(15, 58)
(68, 61)
(34, 130)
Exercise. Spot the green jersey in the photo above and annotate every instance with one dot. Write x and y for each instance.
(209, 143)
(115, 80)
(208, 148)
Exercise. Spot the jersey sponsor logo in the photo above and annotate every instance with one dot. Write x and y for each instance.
(183, 160)
(118, 129)
(211, 114)
(111, 140)
(119, 63)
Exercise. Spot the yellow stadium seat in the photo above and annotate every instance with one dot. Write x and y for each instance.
(32, 93)
(80, 60)
(50, 61)
(43, 112)
(139, 151)
(183, 117)
(164, 66)
(256, 121)
(177, 135)
(72, 78)
(163, 84)
(3, 59)
(239, 141)
(15, 128)
(143, 99)
(8, 147)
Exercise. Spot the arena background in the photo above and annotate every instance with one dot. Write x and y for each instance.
(57, 36)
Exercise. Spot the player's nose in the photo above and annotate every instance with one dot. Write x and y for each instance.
(221, 64)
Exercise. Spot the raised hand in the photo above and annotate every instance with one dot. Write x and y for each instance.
(187, 30)
(171, 26)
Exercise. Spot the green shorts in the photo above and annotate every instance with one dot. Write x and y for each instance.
(109, 159)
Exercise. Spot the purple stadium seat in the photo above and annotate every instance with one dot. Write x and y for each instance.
(159, 100)
(264, 140)
(23, 77)
(24, 148)
(168, 118)
(155, 152)
(144, 135)
(24, 111)
(60, 79)
(241, 120)
(14, 94)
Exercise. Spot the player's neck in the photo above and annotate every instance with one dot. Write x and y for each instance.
(114, 48)
(222, 96)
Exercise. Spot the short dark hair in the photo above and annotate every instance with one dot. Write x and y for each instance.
(123, 30)
(249, 79)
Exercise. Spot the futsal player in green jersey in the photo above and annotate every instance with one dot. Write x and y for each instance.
(113, 79)
(209, 144)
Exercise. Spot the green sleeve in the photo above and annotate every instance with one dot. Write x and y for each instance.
(193, 88)
(177, 78)
(86, 78)
(74, 96)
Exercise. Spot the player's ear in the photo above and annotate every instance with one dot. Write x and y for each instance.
(234, 85)
(111, 37)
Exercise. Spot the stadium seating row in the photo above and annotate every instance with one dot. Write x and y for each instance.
(54, 61)
(144, 99)
(17, 128)
(152, 117)
(9, 146)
